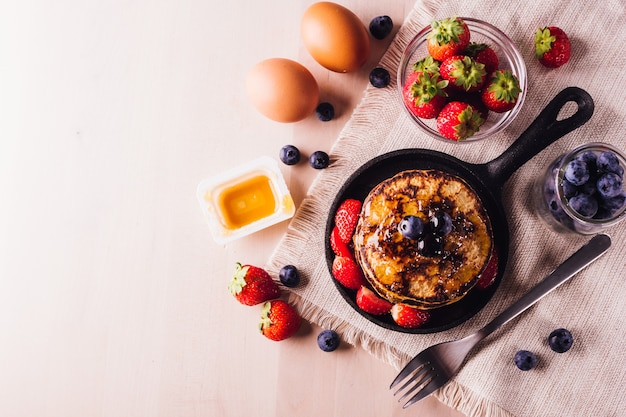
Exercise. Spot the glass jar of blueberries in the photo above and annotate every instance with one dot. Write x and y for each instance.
(583, 191)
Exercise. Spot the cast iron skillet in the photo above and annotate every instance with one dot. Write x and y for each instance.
(487, 180)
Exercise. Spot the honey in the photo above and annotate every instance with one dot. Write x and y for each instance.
(246, 201)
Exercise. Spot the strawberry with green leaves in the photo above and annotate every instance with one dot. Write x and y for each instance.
(463, 73)
(483, 54)
(346, 218)
(279, 320)
(501, 91)
(408, 316)
(552, 46)
(424, 94)
(458, 120)
(447, 37)
(368, 301)
(346, 271)
(252, 285)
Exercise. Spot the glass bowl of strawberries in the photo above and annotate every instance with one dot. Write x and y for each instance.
(462, 79)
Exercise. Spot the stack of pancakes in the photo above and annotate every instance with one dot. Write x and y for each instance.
(395, 266)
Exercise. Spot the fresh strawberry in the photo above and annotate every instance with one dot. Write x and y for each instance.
(407, 316)
(279, 320)
(424, 94)
(552, 46)
(490, 273)
(447, 37)
(339, 248)
(347, 272)
(458, 121)
(426, 65)
(463, 73)
(501, 91)
(346, 218)
(252, 285)
(368, 301)
(484, 54)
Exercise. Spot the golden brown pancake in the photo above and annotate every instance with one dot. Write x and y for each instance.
(394, 264)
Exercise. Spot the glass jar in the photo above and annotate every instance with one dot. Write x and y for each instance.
(583, 191)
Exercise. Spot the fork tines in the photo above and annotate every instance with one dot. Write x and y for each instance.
(417, 376)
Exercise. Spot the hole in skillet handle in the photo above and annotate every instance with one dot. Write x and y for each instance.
(547, 127)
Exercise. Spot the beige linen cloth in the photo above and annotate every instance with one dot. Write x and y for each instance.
(589, 379)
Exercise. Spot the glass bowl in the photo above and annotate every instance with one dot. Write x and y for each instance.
(508, 55)
(553, 194)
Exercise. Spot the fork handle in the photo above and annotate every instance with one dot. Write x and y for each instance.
(591, 251)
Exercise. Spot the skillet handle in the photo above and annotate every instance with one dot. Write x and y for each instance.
(541, 133)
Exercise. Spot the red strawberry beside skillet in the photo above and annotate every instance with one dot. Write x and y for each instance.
(252, 285)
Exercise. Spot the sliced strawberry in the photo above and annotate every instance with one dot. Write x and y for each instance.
(252, 285)
(339, 248)
(279, 320)
(407, 316)
(447, 37)
(424, 94)
(368, 301)
(501, 91)
(488, 277)
(347, 272)
(346, 218)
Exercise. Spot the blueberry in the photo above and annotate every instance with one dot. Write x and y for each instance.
(379, 77)
(607, 161)
(289, 154)
(569, 189)
(576, 172)
(319, 160)
(381, 26)
(610, 206)
(441, 223)
(411, 227)
(609, 185)
(430, 245)
(585, 205)
(525, 360)
(325, 112)
(328, 340)
(289, 276)
(589, 158)
(560, 340)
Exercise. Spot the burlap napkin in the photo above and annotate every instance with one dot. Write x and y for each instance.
(589, 379)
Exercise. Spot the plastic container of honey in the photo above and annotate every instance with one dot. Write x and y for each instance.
(245, 199)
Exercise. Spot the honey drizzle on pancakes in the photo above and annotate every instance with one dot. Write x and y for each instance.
(394, 265)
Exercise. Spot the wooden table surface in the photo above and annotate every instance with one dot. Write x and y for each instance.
(113, 296)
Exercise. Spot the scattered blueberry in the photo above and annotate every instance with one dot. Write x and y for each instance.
(328, 340)
(441, 223)
(411, 227)
(381, 26)
(430, 245)
(325, 112)
(289, 276)
(576, 172)
(379, 77)
(560, 340)
(609, 185)
(607, 161)
(319, 160)
(525, 360)
(289, 154)
(585, 205)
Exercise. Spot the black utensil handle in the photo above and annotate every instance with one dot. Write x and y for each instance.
(542, 132)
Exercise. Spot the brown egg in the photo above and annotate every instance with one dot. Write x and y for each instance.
(282, 90)
(335, 37)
